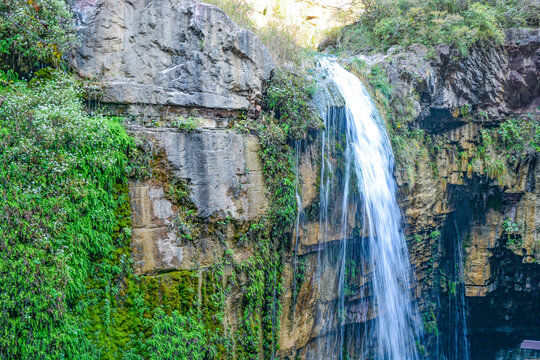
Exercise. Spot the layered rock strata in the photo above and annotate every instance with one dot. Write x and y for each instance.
(172, 52)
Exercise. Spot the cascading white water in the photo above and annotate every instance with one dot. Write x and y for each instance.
(367, 158)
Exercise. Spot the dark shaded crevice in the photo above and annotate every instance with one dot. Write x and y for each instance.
(439, 121)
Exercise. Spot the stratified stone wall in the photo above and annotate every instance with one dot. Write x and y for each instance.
(222, 172)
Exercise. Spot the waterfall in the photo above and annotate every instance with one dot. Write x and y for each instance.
(372, 314)
(459, 342)
(297, 226)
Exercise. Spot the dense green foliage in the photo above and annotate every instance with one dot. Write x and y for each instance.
(520, 137)
(502, 147)
(288, 97)
(186, 124)
(287, 118)
(177, 337)
(458, 23)
(66, 274)
(33, 31)
(62, 176)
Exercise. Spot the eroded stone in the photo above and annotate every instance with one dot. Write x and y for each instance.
(171, 52)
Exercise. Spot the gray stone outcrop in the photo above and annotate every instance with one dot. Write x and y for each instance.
(497, 80)
(169, 52)
(222, 167)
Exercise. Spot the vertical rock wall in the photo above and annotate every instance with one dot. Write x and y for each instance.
(461, 186)
(181, 73)
(171, 52)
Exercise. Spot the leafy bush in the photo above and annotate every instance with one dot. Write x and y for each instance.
(516, 13)
(379, 81)
(33, 31)
(288, 99)
(510, 227)
(63, 177)
(511, 231)
(186, 124)
(384, 23)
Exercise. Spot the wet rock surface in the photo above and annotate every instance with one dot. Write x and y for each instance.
(450, 200)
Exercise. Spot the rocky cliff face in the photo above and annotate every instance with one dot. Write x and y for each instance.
(459, 191)
(174, 53)
(471, 207)
(184, 75)
(174, 67)
(498, 81)
(222, 172)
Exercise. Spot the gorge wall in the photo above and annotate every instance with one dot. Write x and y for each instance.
(186, 78)
(465, 184)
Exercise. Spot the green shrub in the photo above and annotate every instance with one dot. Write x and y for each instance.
(511, 231)
(186, 124)
(520, 137)
(33, 31)
(288, 115)
(380, 83)
(516, 13)
(482, 19)
(510, 227)
(177, 336)
(429, 321)
(288, 98)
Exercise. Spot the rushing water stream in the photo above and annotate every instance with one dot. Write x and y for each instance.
(360, 173)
